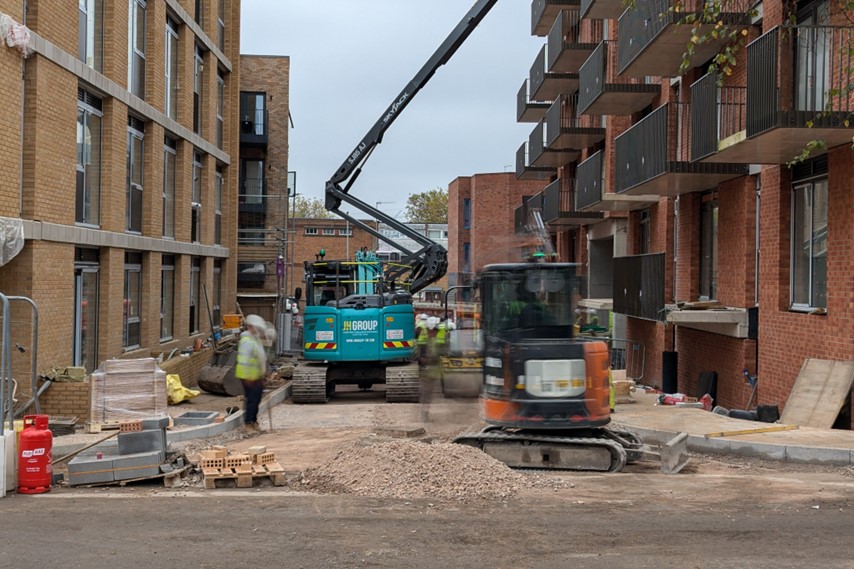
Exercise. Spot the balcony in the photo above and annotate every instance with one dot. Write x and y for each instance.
(601, 9)
(654, 34)
(558, 210)
(653, 157)
(734, 322)
(526, 171)
(639, 286)
(545, 12)
(252, 198)
(541, 153)
(590, 194)
(528, 110)
(566, 51)
(566, 130)
(523, 212)
(604, 92)
(253, 127)
(545, 85)
(797, 92)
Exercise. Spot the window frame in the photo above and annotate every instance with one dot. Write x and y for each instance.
(328, 231)
(167, 299)
(311, 231)
(216, 301)
(133, 218)
(136, 53)
(218, 185)
(85, 169)
(198, 87)
(133, 274)
(812, 303)
(194, 296)
(170, 104)
(220, 38)
(708, 271)
(90, 23)
(169, 193)
(196, 199)
(466, 213)
(220, 108)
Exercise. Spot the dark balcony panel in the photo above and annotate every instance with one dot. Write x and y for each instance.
(639, 286)
(525, 171)
(540, 153)
(527, 110)
(545, 12)
(653, 35)
(601, 9)
(590, 182)
(558, 207)
(797, 91)
(653, 157)
(252, 197)
(547, 86)
(564, 129)
(604, 92)
(566, 51)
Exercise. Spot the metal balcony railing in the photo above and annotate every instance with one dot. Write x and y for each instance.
(566, 35)
(253, 126)
(252, 198)
(598, 75)
(639, 286)
(644, 150)
(543, 12)
(527, 110)
(800, 76)
(557, 199)
(590, 182)
(717, 112)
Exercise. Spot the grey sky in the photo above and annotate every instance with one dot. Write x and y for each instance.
(350, 59)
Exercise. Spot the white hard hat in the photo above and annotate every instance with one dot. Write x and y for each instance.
(423, 317)
(431, 322)
(269, 333)
(255, 321)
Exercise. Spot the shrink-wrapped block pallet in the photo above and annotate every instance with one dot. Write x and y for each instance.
(127, 390)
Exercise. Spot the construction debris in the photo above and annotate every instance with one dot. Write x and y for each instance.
(415, 469)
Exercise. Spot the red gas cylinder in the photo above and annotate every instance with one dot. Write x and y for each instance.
(35, 472)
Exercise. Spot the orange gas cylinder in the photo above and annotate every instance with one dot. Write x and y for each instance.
(35, 471)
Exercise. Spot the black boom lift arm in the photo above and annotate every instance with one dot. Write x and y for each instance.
(428, 264)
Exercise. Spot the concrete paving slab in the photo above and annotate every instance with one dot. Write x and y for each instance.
(90, 470)
(812, 455)
(137, 465)
(141, 441)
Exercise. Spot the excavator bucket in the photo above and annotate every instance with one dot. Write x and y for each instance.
(674, 454)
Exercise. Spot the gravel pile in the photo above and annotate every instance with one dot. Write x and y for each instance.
(414, 469)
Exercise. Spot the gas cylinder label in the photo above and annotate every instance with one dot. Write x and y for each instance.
(32, 453)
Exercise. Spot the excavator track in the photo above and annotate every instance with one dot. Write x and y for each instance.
(309, 385)
(402, 383)
(528, 450)
(630, 441)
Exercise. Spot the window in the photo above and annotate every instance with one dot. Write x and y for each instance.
(251, 275)
(809, 245)
(217, 294)
(171, 94)
(253, 182)
(466, 257)
(220, 25)
(196, 220)
(311, 231)
(709, 247)
(132, 300)
(466, 213)
(814, 44)
(90, 33)
(644, 234)
(136, 48)
(199, 13)
(348, 232)
(218, 206)
(85, 332)
(195, 304)
(167, 297)
(88, 158)
(253, 113)
(220, 105)
(435, 233)
(329, 231)
(169, 179)
(198, 86)
(136, 135)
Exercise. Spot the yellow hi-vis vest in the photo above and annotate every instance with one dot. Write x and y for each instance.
(422, 334)
(248, 362)
(441, 331)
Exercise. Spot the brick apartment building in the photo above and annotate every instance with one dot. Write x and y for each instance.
(262, 197)
(688, 177)
(481, 222)
(120, 135)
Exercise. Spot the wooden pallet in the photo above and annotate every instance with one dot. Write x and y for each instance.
(97, 427)
(245, 474)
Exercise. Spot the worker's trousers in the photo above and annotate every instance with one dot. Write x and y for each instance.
(252, 393)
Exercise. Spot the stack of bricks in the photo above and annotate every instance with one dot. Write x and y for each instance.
(66, 399)
(219, 464)
(126, 390)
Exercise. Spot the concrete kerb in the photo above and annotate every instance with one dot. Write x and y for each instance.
(783, 453)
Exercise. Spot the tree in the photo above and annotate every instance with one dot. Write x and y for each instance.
(428, 207)
(309, 208)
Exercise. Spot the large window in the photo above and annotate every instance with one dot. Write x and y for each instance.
(199, 11)
(136, 48)
(217, 294)
(253, 182)
(169, 180)
(167, 297)
(198, 87)
(88, 158)
(253, 113)
(466, 213)
(220, 106)
(90, 33)
(466, 257)
(136, 134)
(196, 221)
(218, 206)
(220, 25)
(171, 91)
(809, 245)
(85, 331)
(132, 300)
(195, 304)
(709, 247)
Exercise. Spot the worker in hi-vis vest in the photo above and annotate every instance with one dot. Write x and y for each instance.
(251, 368)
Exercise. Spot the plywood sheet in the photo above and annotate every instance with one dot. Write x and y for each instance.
(819, 393)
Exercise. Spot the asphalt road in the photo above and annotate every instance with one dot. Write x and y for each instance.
(718, 515)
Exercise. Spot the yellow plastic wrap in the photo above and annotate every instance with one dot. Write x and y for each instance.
(175, 390)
